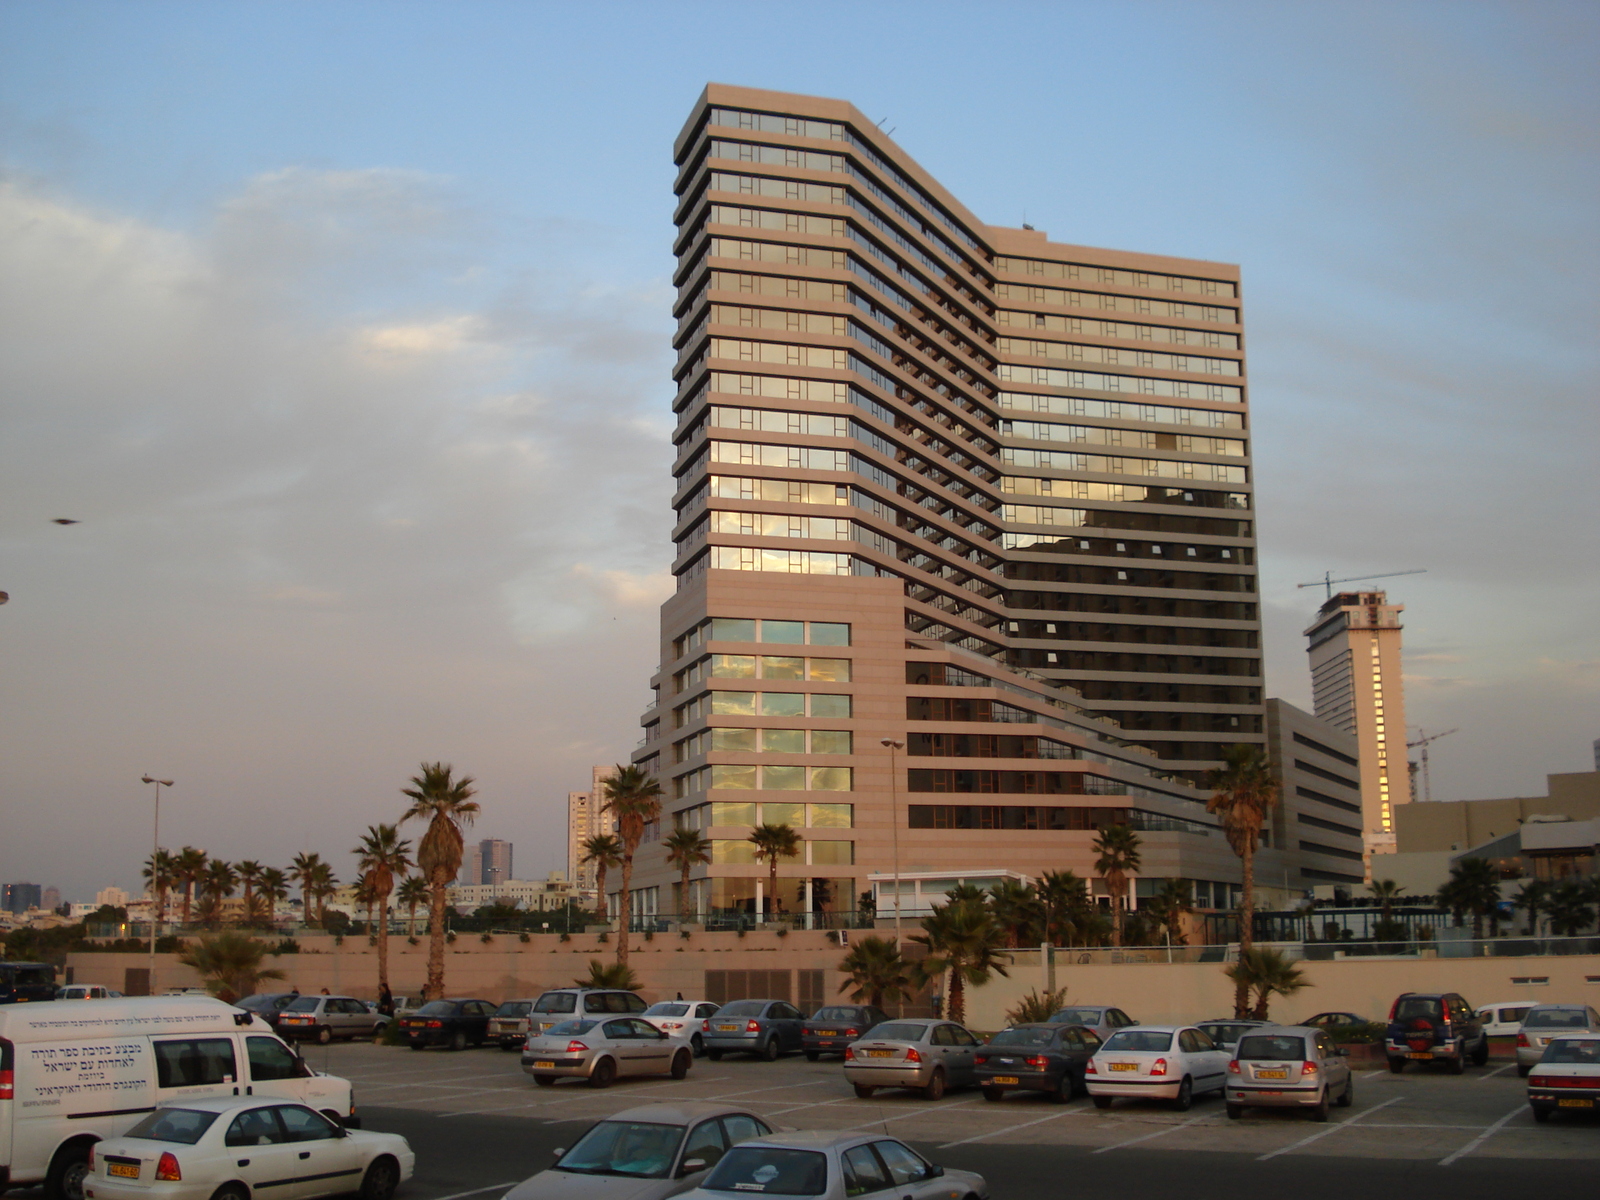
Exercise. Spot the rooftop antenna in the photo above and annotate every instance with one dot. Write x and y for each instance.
(1327, 581)
(1423, 738)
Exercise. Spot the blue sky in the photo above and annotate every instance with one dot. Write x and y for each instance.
(344, 328)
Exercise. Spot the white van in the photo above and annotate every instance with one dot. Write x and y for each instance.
(72, 1074)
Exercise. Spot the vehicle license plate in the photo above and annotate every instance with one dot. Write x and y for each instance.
(548, 1066)
(123, 1170)
(1420, 1054)
(1124, 1066)
(728, 1028)
(1005, 1079)
(1272, 1074)
(827, 1033)
(880, 1053)
(1574, 1102)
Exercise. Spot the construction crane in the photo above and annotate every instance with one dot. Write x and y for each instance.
(1422, 740)
(1327, 580)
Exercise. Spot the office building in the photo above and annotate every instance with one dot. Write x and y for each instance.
(484, 862)
(1317, 823)
(587, 816)
(948, 484)
(20, 897)
(1356, 686)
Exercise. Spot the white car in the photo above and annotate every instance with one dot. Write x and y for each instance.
(232, 1150)
(1157, 1062)
(682, 1018)
(1505, 1019)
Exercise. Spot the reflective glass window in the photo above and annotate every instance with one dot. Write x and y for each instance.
(733, 812)
(733, 629)
(727, 775)
(736, 852)
(783, 741)
(831, 741)
(733, 704)
(832, 779)
(830, 706)
(793, 815)
(773, 667)
(733, 739)
(830, 670)
(784, 778)
(788, 632)
(832, 816)
(733, 666)
(829, 633)
(784, 704)
(833, 854)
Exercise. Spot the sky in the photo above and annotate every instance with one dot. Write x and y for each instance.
(343, 329)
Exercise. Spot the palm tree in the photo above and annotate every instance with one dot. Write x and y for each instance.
(964, 891)
(609, 975)
(876, 972)
(158, 873)
(686, 850)
(273, 888)
(1244, 791)
(604, 850)
(303, 871)
(633, 798)
(230, 964)
(446, 804)
(381, 856)
(1117, 848)
(963, 939)
(1016, 910)
(1473, 887)
(216, 883)
(1063, 897)
(1532, 897)
(772, 843)
(323, 884)
(1568, 906)
(248, 872)
(413, 890)
(1269, 973)
(1168, 906)
(187, 867)
(1386, 892)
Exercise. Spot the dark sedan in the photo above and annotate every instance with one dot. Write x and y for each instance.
(766, 1028)
(1036, 1058)
(452, 1023)
(831, 1029)
(268, 1006)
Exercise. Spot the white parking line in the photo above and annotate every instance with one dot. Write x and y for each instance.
(1324, 1132)
(797, 1107)
(978, 1137)
(757, 1091)
(493, 1187)
(1158, 1133)
(1484, 1136)
(1496, 1071)
(922, 1112)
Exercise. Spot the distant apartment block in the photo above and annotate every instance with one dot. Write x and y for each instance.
(1318, 819)
(485, 862)
(20, 897)
(586, 817)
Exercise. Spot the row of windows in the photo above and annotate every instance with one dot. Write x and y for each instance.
(781, 354)
(779, 491)
(764, 666)
(780, 525)
(817, 705)
(767, 218)
(1180, 389)
(760, 454)
(734, 118)
(988, 745)
(723, 814)
(1125, 330)
(773, 285)
(1139, 305)
(1160, 635)
(830, 854)
(1116, 277)
(779, 387)
(1080, 489)
(1044, 783)
(731, 777)
(1011, 816)
(767, 420)
(790, 157)
(776, 189)
(1118, 356)
(1120, 410)
(1210, 610)
(1142, 439)
(765, 741)
(1165, 664)
(784, 562)
(749, 629)
(1062, 460)
(778, 318)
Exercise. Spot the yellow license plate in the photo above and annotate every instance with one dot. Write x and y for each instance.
(1419, 1054)
(1272, 1074)
(548, 1066)
(880, 1053)
(827, 1033)
(1005, 1079)
(728, 1028)
(1574, 1102)
(1124, 1066)
(123, 1170)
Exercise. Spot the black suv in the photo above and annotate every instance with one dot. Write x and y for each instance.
(451, 1023)
(1434, 1027)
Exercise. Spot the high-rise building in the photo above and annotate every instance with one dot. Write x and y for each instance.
(950, 485)
(19, 897)
(494, 857)
(587, 816)
(1318, 821)
(1356, 686)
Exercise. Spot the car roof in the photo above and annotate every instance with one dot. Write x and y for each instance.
(1232, 1021)
(223, 1104)
(1297, 1030)
(582, 990)
(1153, 1028)
(815, 1139)
(674, 1114)
(1561, 1007)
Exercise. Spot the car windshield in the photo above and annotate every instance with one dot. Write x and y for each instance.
(667, 1008)
(901, 1031)
(183, 1125)
(1137, 1040)
(1272, 1049)
(437, 1008)
(1573, 1050)
(265, 1002)
(1224, 1031)
(1077, 1016)
(304, 1004)
(1022, 1037)
(556, 1002)
(570, 1028)
(742, 1008)
(1557, 1018)
(635, 1148)
(514, 1008)
(1413, 1007)
(771, 1171)
(837, 1014)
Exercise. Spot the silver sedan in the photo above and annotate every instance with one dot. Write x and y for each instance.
(599, 1050)
(929, 1056)
(830, 1165)
(1543, 1023)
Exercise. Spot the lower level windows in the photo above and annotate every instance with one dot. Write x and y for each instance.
(1011, 816)
(739, 853)
(734, 777)
(726, 813)
(1068, 783)
(783, 562)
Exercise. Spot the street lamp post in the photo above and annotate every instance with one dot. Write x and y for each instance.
(155, 870)
(892, 745)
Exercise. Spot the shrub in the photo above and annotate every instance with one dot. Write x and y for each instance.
(486, 937)
(286, 946)
(1034, 1007)
(523, 937)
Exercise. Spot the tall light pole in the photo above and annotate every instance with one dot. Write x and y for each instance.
(892, 745)
(155, 870)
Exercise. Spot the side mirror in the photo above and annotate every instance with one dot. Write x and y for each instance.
(935, 1170)
(558, 1152)
(302, 1069)
(691, 1165)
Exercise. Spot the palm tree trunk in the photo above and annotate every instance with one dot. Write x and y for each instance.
(772, 890)
(1247, 925)
(956, 1009)
(624, 914)
(683, 897)
(383, 944)
(411, 920)
(601, 908)
(435, 987)
(188, 898)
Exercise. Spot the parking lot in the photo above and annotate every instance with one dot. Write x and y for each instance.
(1422, 1117)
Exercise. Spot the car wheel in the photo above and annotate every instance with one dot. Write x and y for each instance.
(324, 1034)
(812, 1055)
(458, 1040)
(604, 1074)
(863, 1092)
(68, 1170)
(1523, 1071)
(1102, 1101)
(1480, 1056)
(698, 1045)
(1235, 1111)
(545, 1080)
(1396, 1065)
(1348, 1096)
(1541, 1115)
(377, 1034)
(994, 1093)
(1065, 1090)
(769, 1050)
(714, 1055)
(1319, 1111)
(680, 1063)
(935, 1088)
(229, 1191)
(1185, 1096)
(381, 1179)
